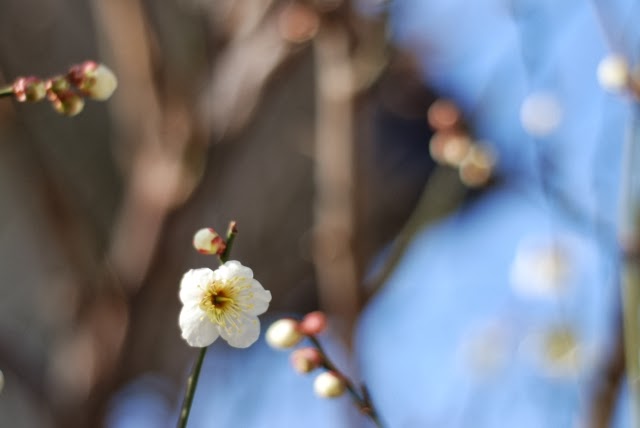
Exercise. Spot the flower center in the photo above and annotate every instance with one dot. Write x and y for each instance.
(225, 302)
(216, 299)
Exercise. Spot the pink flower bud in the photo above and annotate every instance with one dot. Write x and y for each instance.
(94, 80)
(29, 89)
(329, 385)
(67, 103)
(313, 323)
(207, 241)
(283, 334)
(305, 360)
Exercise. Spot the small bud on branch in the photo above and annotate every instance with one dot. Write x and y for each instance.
(66, 92)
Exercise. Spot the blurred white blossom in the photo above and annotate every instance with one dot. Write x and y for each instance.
(541, 114)
(613, 73)
(540, 268)
(486, 350)
(557, 352)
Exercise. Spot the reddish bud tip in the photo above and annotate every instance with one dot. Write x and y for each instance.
(444, 115)
(29, 89)
(313, 323)
(77, 73)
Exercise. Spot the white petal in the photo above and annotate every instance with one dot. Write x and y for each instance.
(243, 334)
(196, 328)
(193, 285)
(259, 301)
(232, 269)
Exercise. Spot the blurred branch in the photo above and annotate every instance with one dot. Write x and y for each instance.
(6, 91)
(350, 52)
(603, 404)
(334, 177)
(156, 138)
(630, 242)
(242, 69)
(443, 194)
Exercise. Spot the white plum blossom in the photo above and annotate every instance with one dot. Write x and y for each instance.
(225, 302)
(541, 114)
(559, 352)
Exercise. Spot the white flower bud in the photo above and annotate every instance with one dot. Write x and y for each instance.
(613, 73)
(207, 241)
(104, 84)
(329, 385)
(283, 333)
(94, 80)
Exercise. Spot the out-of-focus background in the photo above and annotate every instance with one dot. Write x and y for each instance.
(473, 290)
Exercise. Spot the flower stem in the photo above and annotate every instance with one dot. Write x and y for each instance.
(192, 382)
(232, 231)
(6, 91)
(362, 400)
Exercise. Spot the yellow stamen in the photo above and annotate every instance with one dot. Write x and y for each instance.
(224, 302)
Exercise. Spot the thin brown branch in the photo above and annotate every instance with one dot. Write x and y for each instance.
(334, 260)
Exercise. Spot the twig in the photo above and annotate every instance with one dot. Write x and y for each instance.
(361, 399)
(7, 91)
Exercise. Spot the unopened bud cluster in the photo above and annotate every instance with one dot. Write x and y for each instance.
(452, 145)
(287, 333)
(67, 92)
